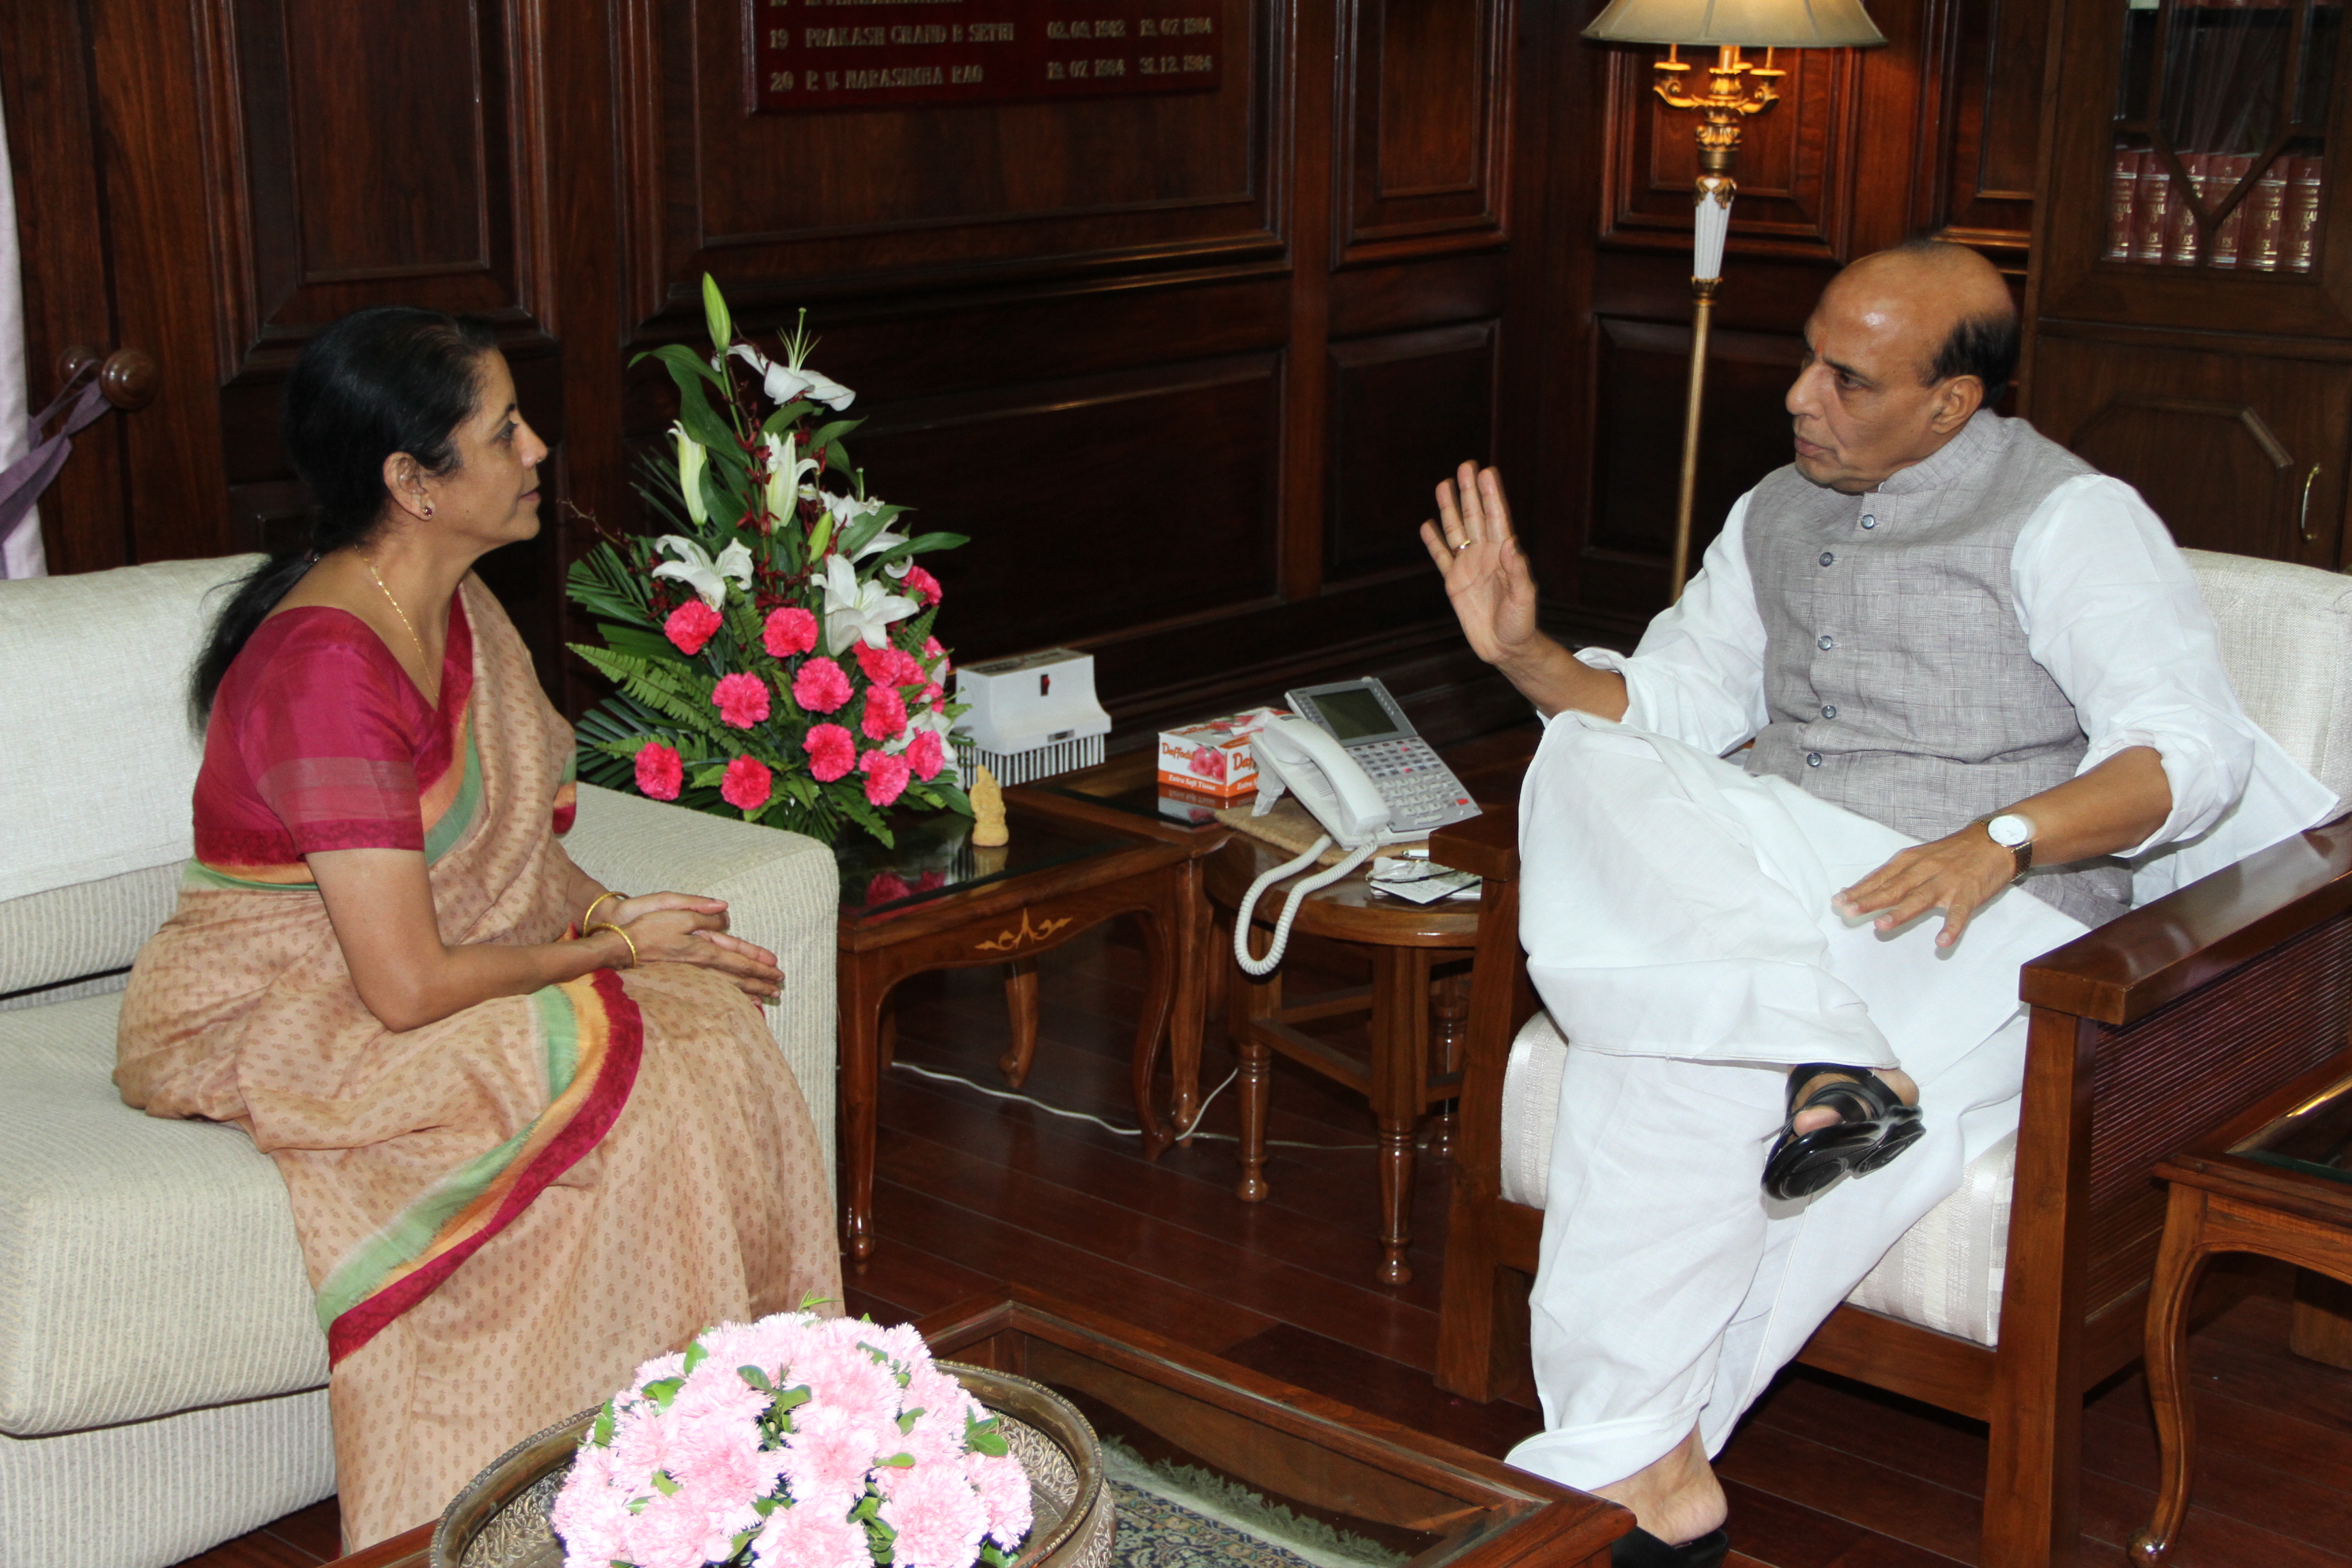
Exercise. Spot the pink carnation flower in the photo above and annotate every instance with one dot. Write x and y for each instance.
(1004, 1497)
(833, 751)
(690, 626)
(885, 777)
(885, 713)
(927, 754)
(820, 687)
(789, 631)
(831, 1449)
(742, 700)
(747, 783)
(888, 665)
(939, 1517)
(659, 771)
(921, 584)
(805, 1536)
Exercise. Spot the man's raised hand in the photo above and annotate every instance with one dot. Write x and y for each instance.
(1485, 575)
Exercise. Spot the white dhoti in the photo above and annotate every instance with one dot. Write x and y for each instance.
(1676, 917)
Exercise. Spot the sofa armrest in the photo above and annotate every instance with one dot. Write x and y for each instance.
(2142, 960)
(781, 891)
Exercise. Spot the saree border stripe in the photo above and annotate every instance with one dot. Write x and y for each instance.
(409, 1257)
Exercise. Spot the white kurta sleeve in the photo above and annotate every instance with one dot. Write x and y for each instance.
(1698, 674)
(2110, 610)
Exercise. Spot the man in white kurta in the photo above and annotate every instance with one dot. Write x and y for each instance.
(1933, 614)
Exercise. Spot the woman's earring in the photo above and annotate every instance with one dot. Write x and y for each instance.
(428, 508)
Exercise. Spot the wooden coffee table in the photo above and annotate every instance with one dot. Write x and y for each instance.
(935, 901)
(1442, 1506)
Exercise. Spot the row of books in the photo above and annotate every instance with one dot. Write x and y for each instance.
(2275, 230)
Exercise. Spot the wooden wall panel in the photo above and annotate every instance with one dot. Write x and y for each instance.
(1405, 408)
(1980, 122)
(1423, 147)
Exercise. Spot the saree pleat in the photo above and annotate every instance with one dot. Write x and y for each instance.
(502, 1213)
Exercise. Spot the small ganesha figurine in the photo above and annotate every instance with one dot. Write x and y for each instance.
(988, 830)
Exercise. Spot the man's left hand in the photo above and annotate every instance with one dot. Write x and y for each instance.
(1957, 875)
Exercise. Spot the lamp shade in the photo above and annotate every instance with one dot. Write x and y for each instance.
(1749, 24)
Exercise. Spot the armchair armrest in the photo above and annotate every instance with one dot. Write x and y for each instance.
(2140, 960)
(781, 891)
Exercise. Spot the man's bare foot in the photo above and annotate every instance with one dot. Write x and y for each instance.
(1676, 1497)
(1823, 1116)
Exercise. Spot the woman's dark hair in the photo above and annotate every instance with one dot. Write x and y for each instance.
(391, 379)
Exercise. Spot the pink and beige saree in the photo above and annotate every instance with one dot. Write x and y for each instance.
(505, 1211)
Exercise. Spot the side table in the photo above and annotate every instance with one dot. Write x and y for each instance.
(1125, 795)
(2276, 1181)
(1405, 942)
(935, 901)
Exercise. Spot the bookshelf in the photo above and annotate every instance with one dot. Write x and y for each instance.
(2190, 322)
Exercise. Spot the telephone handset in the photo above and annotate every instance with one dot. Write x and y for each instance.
(1309, 761)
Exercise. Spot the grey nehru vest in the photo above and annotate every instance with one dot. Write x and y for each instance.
(1895, 674)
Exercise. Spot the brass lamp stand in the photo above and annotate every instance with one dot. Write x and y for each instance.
(1737, 89)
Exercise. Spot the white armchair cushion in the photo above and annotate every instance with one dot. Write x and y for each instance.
(146, 1266)
(781, 891)
(1944, 1274)
(2287, 641)
(99, 761)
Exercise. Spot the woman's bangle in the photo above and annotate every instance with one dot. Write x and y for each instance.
(616, 931)
(591, 915)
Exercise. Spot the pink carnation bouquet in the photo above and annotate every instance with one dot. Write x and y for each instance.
(772, 644)
(794, 1442)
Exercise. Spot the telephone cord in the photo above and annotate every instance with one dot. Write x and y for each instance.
(1128, 1131)
(1321, 880)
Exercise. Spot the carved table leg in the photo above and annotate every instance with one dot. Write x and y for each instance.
(1400, 1085)
(862, 997)
(1196, 959)
(1021, 1002)
(2178, 1265)
(1253, 1000)
(1449, 1005)
(1162, 947)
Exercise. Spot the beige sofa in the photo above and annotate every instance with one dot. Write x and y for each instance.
(161, 1374)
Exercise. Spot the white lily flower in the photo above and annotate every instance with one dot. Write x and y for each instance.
(697, 571)
(782, 382)
(785, 467)
(856, 611)
(691, 457)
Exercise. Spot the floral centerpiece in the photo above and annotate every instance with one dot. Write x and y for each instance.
(775, 650)
(794, 1442)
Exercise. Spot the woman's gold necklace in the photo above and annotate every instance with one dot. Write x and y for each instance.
(406, 624)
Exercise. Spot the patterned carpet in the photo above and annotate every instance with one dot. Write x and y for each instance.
(1179, 1516)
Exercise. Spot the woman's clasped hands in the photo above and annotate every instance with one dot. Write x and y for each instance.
(688, 928)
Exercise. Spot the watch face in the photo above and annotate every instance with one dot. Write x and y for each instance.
(2009, 830)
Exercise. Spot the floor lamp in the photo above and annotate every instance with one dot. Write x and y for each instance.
(1737, 89)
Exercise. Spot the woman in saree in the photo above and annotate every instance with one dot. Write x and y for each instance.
(533, 1129)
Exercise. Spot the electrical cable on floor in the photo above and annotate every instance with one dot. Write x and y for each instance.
(1128, 1131)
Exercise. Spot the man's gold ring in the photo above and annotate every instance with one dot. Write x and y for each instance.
(1461, 547)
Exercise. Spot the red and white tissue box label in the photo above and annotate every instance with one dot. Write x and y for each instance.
(1213, 758)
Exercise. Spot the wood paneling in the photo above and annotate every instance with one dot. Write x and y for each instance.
(1423, 148)
(1980, 122)
(1405, 408)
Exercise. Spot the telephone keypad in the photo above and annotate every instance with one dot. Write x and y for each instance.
(1421, 790)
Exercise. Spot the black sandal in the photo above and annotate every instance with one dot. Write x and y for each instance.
(1876, 1126)
(1640, 1548)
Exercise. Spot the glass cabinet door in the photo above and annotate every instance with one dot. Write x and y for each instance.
(2219, 156)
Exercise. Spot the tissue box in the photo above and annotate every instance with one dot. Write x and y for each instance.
(1213, 758)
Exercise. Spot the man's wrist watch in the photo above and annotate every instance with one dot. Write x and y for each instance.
(2015, 833)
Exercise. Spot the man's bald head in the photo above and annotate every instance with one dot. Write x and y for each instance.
(1905, 347)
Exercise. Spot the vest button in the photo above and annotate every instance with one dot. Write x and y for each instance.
(1812, 759)
(1829, 709)
(1869, 522)
(1825, 642)
(1827, 557)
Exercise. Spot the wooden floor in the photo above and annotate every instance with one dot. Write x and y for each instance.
(975, 1191)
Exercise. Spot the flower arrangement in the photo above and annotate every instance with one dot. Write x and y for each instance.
(794, 1442)
(774, 651)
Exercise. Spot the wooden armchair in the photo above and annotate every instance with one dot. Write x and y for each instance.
(2144, 1034)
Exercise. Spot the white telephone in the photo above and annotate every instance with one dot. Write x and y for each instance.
(1308, 760)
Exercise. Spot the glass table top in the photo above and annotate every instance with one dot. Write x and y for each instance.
(2314, 1138)
(934, 855)
(1145, 797)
